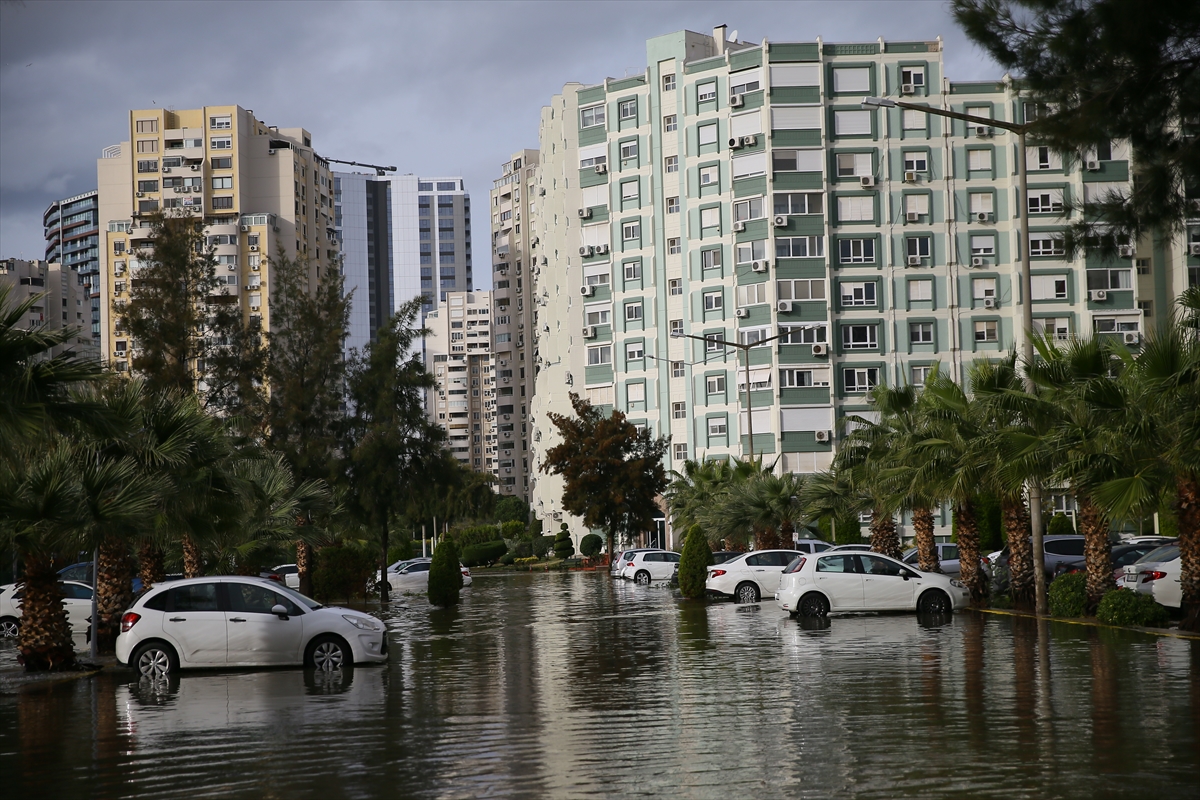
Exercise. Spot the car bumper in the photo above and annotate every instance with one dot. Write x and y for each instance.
(370, 648)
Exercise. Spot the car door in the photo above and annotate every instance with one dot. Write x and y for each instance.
(78, 602)
(838, 577)
(256, 636)
(195, 623)
(948, 557)
(886, 584)
(413, 578)
(769, 569)
(667, 568)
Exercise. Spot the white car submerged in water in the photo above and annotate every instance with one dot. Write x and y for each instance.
(814, 586)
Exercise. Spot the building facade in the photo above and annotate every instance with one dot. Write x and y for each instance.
(257, 190)
(65, 302)
(459, 354)
(72, 228)
(741, 192)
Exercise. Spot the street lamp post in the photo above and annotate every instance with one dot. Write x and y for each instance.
(1020, 129)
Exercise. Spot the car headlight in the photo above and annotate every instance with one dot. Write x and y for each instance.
(957, 584)
(362, 623)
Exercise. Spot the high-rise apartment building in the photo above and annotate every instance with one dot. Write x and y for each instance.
(64, 302)
(458, 351)
(740, 192)
(72, 229)
(402, 236)
(257, 190)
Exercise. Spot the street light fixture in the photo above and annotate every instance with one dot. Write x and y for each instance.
(1020, 129)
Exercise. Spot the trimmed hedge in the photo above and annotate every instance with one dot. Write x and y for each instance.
(1060, 525)
(483, 555)
(1068, 595)
(564, 548)
(1125, 607)
(591, 545)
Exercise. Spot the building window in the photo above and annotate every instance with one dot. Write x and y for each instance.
(631, 231)
(856, 209)
(860, 380)
(1109, 279)
(801, 289)
(752, 294)
(1046, 244)
(225, 182)
(675, 287)
(852, 79)
(851, 165)
(983, 245)
(591, 117)
(633, 312)
(912, 76)
(148, 166)
(670, 123)
(633, 270)
(983, 288)
(1049, 287)
(147, 126)
(714, 301)
(672, 205)
(915, 120)
(709, 176)
(1115, 324)
(920, 332)
(680, 451)
(859, 337)
(629, 191)
(147, 145)
(982, 203)
(708, 134)
(979, 160)
(715, 384)
(671, 164)
(597, 314)
(1043, 158)
(593, 161)
(918, 246)
(744, 210)
(599, 355)
(716, 426)
(986, 331)
(710, 217)
(856, 251)
(858, 294)
(918, 376)
(627, 109)
(800, 247)
(796, 378)
(678, 410)
(629, 150)
(220, 123)
(1045, 201)
(674, 247)
(668, 82)
(745, 85)
(749, 252)
(710, 259)
(916, 161)
(677, 369)
(676, 327)
(223, 143)
(223, 162)
(147, 186)
(635, 351)
(146, 206)
(920, 290)
(798, 203)
(802, 334)
(706, 91)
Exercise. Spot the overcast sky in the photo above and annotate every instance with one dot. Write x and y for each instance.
(434, 88)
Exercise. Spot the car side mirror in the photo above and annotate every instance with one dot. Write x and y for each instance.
(279, 610)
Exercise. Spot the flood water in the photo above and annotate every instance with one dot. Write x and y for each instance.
(573, 685)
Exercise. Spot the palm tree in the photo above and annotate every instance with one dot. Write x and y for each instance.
(830, 495)
(768, 504)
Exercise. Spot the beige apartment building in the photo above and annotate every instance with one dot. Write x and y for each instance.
(256, 188)
(64, 304)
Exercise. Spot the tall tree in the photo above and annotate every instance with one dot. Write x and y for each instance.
(613, 470)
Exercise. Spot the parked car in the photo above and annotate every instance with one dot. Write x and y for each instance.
(1121, 555)
(852, 547)
(82, 573)
(412, 575)
(624, 558)
(749, 577)
(812, 546)
(1157, 574)
(230, 621)
(78, 603)
(813, 586)
(290, 574)
(654, 565)
(1057, 550)
(721, 556)
(1149, 539)
(947, 559)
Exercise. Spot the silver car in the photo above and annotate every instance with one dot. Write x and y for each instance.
(948, 558)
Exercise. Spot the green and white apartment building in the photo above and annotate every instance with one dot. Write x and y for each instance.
(739, 191)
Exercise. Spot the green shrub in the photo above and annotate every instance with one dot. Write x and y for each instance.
(1060, 525)
(693, 563)
(530, 560)
(521, 548)
(1126, 607)
(1068, 595)
(342, 572)
(483, 555)
(541, 546)
(591, 545)
(507, 559)
(513, 530)
(512, 509)
(535, 527)
(477, 534)
(445, 577)
(563, 546)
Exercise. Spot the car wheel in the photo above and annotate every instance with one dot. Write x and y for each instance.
(328, 652)
(813, 605)
(642, 578)
(934, 601)
(746, 593)
(9, 628)
(155, 660)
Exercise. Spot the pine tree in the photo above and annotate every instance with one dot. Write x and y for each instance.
(445, 577)
(694, 562)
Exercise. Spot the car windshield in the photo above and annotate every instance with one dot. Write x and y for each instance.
(307, 602)
(1168, 552)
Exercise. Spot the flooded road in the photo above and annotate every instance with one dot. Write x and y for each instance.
(571, 685)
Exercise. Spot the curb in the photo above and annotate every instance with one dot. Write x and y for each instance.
(1174, 634)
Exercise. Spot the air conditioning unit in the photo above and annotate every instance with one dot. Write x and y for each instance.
(983, 131)
(866, 181)
(1132, 337)
(602, 249)
(166, 170)
(989, 302)
(250, 288)
(270, 152)
(178, 190)
(784, 306)
(780, 221)
(195, 167)
(118, 353)
(589, 332)
(1194, 249)
(141, 194)
(276, 229)
(1098, 295)
(587, 291)
(735, 142)
(585, 213)
(983, 216)
(253, 248)
(820, 349)
(587, 250)
(255, 268)
(736, 101)
(749, 141)
(910, 177)
(1092, 166)
(233, 267)
(742, 313)
(1125, 251)
(914, 261)
(912, 216)
(739, 226)
(976, 261)
(907, 88)
(601, 169)
(758, 266)
(822, 436)
(245, 229)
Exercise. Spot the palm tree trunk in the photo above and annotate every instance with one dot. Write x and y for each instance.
(884, 538)
(150, 565)
(1096, 552)
(968, 552)
(44, 640)
(114, 591)
(304, 567)
(766, 539)
(787, 534)
(1020, 551)
(927, 555)
(193, 562)
(1187, 515)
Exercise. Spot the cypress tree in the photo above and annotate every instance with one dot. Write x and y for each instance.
(445, 578)
(694, 562)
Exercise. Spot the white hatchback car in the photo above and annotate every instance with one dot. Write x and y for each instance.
(1157, 574)
(655, 565)
(812, 586)
(77, 600)
(413, 575)
(229, 621)
(749, 577)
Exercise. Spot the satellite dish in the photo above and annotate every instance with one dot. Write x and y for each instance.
(733, 36)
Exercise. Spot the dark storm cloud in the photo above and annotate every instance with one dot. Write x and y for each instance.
(434, 88)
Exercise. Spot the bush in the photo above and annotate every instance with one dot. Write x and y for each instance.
(1068, 595)
(483, 555)
(535, 527)
(445, 577)
(342, 572)
(512, 509)
(591, 545)
(541, 546)
(521, 548)
(1060, 525)
(522, 561)
(507, 559)
(693, 563)
(477, 534)
(513, 530)
(564, 548)
(1125, 607)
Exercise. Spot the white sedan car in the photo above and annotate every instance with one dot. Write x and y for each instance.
(854, 581)
(412, 575)
(229, 621)
(290, 574)
(78, 603)
(1157, 574)
(655, 565)
(749, 577)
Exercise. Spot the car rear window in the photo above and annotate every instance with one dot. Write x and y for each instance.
(1065, 547)
(794, 565)
(1168, 552)
(158, 602)
(837, 563)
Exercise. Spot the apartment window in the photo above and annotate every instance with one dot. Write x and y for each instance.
(633, 312)
(706, 91)
(918, 246)
(678, 410)
(978, 160)
(670, 123)
(856, 209)
(709, 176)
(708, 134)
(1046, 244)
(672, 205)
(920, 332)
(748, 252)
(675, 287)
(677, 369)
(680, 451)
(915, 120)
(1045, 201)
(172, 161)
(852, 79)
(629, 191)
(224, 143)
(982, 202)
(913, 76)
(220, 123)
(225, 182)
(801, 289)
(668, 82)
(147, 186)
(1059, 328)
(745, 85)
(752, 294)
(802, 334)
(710, 259)
(858, 294)
(860, 337)
(1114, 324)
(673, 247)
(598, 314)
(710, 217)
(852, 123)
(856, 251)
(715, 384)
(986, 331)
(860, 380)
(748, 209)
(627, 109)
(716, 426)
(714, 301)
(631, 231)
(146, 206)
(850, 165)
(593, 280)
(676, 327)
(222, 202)
(147, 145)
(629, 150)
(599, 355)
(591, 117)
(801, 378)
(916, 161)
(147, 126)
(798, 203)
(633, 270)
(222, 162)
(1049, 287)
(591, 161)
(1109, 279)
(800, 247)
(671, 164)
(917, 204)
(147, 166)
(982, 288)
(919, 376)
(635, 351)
(796, 160)
(920, 290)
(1043, 158)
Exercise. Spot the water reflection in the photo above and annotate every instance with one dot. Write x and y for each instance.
(577, 686)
